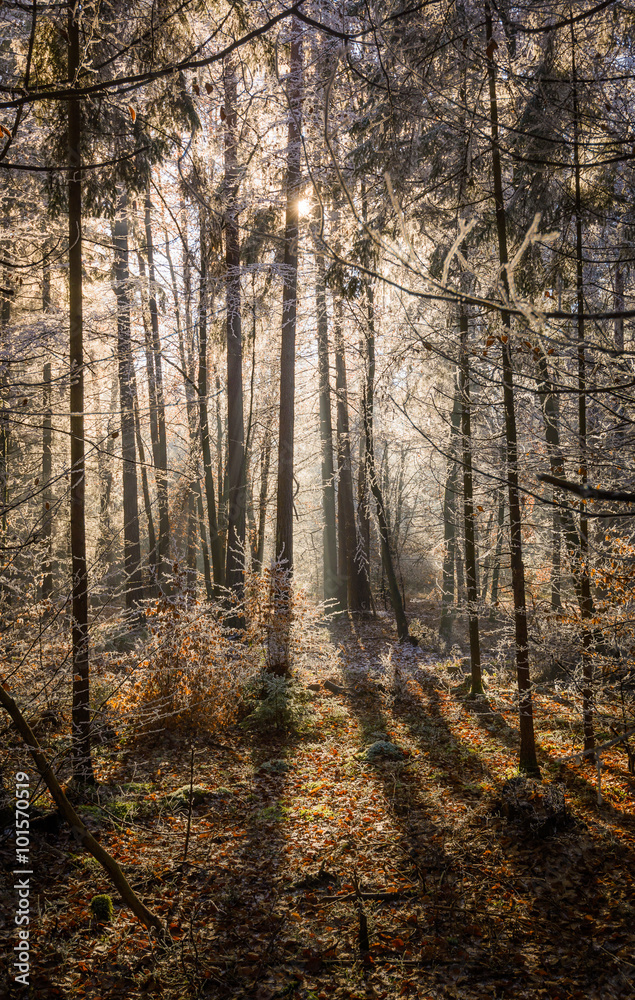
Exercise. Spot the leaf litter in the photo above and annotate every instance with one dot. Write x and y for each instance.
(358, 850)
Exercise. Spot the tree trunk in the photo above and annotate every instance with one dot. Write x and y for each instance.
(215, 543)
(357, 587)
(107, 862)
(586, 604)
(487, 561)
(375, 486)
(221, 466)
(132, 548)
(82, 762)
(105, 475)
(329, 551)
(160, 444)
(528, 761)
(279, 662)
(147, 503)
(265, 460)
(468, 509)
(153, 555)
(187, 365)
(47, 452)
(449, 522)
(5, 432)
(236, 484)
(496, 565)
(618, 305)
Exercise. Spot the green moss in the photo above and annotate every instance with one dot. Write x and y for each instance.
(102, 909)
(383, 750)
(277, 766)
(180, 798)
(136, 788)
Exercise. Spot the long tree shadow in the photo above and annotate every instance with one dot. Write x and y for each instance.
(251, 936)
(426, 841)
(527, 871)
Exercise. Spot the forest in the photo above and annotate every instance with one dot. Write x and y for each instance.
(317, 557)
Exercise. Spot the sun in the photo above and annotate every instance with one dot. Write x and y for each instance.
(304, 206)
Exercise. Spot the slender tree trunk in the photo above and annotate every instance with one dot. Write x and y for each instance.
(265, 461)
(105, 455)
(160, 446)
(236, 484)
(82, 761)
(153, 555)
(47, 452)
(221, 466)
(187, 365)
(207, 569)
(449, 521)
(132, 547)
(496, 566)
(586, 604)
(468, 508)
(487, 562)
(329, 552)
(357, 589)
(279, 661)
(5, 431)
(147, 503)
(374, 482)
(215, 542)
(618, 305)
(528, 761)
(67, 810)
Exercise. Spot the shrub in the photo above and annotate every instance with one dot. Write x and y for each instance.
(191, 674)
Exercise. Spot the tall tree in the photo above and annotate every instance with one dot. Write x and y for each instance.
(203, 390)
(586, 604)
(159, 443)
(471, 571)
(388, 565)
(329, 538)
(528, 761)
(47, 448)
(286, 428)
(132, 547)
(352, 571)
(236, 484)
(82, 761)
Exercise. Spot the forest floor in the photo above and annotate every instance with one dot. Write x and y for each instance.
(292, 818)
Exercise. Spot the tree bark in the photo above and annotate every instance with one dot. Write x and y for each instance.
(160, 444)
(449, 521)
(236, 483)
(375, 486)
(132, 547)
(147, 503)
(329, 537)
(47, 452)
(496, 565)
(471, 570)
(187, 365)
(107, 862)
(586, 604)
(279, 662)
(528, 761)
(82, 761)
(105, 475)
(265, 461)
(350, 570)
(215, 542)
(153, 555)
